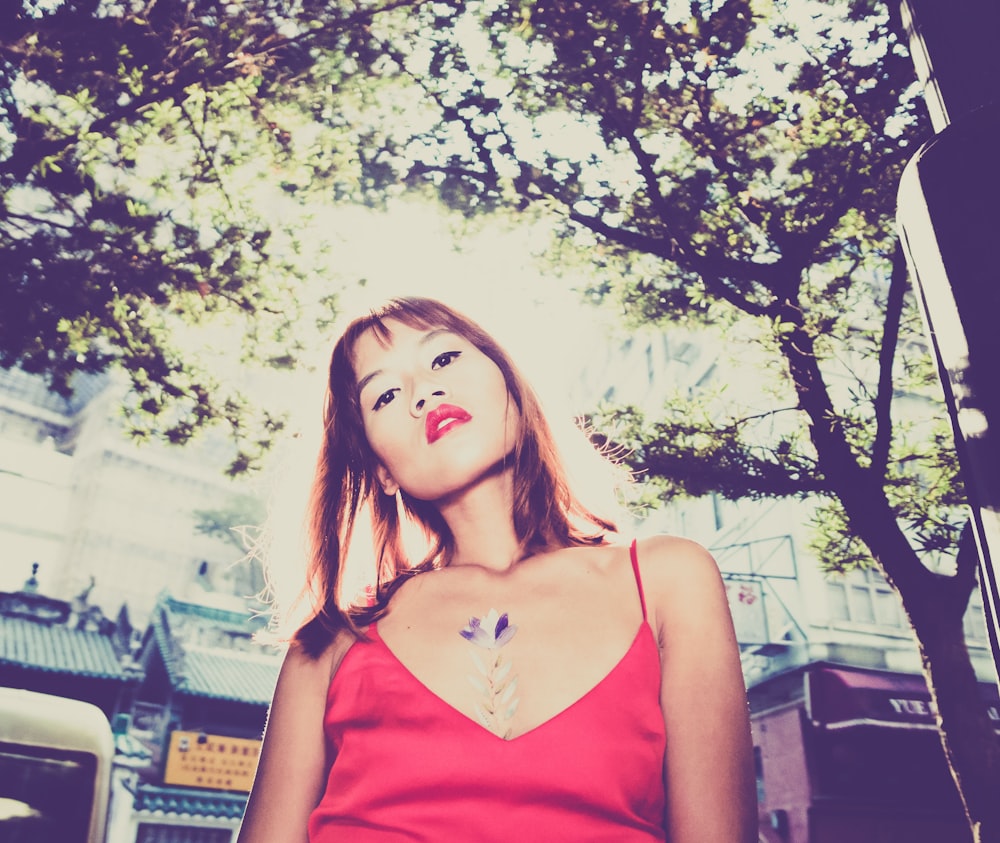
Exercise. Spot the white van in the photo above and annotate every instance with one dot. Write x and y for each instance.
(55, 769)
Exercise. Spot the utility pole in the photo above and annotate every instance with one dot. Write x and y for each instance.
(949, 221)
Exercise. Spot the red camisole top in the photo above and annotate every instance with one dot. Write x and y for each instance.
(410, 767)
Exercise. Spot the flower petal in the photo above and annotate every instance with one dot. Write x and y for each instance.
(505, 636)
(469, 631)
(490, 622)
(508, 693)
(480, 666)
(483, 639)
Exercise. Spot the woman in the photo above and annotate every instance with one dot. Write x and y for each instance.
(529, 676)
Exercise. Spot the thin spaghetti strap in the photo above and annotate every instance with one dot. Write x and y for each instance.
(638, 580)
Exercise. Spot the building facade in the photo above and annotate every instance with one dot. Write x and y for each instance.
(199, 710)
(96, 510)
(845, 740)
(65, 648)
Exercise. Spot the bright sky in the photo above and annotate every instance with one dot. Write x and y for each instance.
(493, 275)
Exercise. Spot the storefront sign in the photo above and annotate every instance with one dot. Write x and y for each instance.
(840, 697)
(211, 761)
(746, 602)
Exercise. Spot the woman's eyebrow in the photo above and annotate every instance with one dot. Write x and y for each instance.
(430, 335)
(426, 338)
(366, 380)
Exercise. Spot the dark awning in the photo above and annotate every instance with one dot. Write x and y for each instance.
(841, 697)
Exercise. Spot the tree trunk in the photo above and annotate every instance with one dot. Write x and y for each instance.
(935, 604)
(967, 733)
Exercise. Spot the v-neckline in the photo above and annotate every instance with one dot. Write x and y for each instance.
(377, 639)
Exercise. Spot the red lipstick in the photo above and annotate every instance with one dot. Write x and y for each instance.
(443, 418)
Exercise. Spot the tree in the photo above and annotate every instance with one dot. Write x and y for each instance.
(132, 209)
(733, 160)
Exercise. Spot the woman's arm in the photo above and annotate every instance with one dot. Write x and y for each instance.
(709, 774)
(292, 768)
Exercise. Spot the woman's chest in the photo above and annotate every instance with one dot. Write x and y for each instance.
(512, 654)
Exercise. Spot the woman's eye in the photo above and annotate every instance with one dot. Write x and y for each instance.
(384, 399)
(443, 360)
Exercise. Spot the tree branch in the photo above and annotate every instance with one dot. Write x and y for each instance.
(639, 70)
(711, 269)
(886, 356)
(207, 154)
(26, 156)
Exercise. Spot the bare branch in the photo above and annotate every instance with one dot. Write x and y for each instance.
(711, 269)
(207, 154)
(887, 353)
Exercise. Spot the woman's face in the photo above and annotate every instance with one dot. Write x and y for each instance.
(436, 410)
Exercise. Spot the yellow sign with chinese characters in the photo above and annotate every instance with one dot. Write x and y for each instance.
(211, 761)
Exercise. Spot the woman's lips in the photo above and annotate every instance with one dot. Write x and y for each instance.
(443, 418)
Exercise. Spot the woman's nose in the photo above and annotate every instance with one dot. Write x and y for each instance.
(421, 396)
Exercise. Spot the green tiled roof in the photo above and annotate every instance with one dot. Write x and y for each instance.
(57, 649)
(192, 803)
(169, 651)
(131, 749)
(242, 672)
(241, 620)
(229, 674)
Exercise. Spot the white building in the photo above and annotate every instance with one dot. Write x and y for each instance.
(82, 500)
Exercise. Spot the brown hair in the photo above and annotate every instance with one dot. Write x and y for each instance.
(546, 511)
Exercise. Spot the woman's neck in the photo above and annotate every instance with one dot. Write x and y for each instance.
(481, 522)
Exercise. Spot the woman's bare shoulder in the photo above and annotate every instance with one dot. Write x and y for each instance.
(300, 667)
(679, 576)
(674, 556)
(293, 763)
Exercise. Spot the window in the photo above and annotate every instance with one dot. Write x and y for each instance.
(865, 598)
(151, 833)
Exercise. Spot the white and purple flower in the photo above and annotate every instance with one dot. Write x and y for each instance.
(492, 679)
(490, 633)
